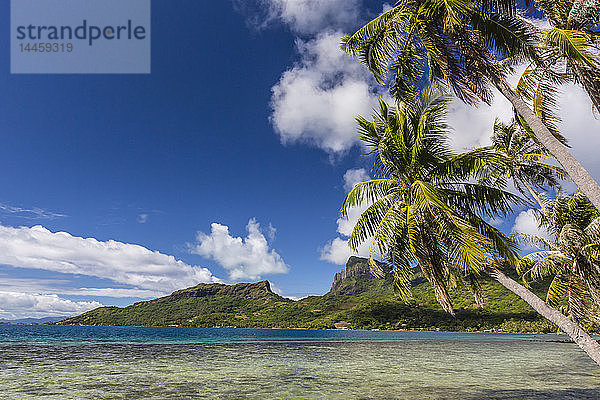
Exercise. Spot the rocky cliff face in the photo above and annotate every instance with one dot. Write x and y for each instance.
(356, 277)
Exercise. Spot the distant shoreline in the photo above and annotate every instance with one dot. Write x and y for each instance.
(302, 329)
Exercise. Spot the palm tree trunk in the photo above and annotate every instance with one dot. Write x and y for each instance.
(575, 170)
(575, 332)
(536, 196)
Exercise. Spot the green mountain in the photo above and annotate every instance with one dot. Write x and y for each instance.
(357, 300)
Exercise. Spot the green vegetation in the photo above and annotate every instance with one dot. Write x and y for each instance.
(570, 260)
(426, 206)
(523, 160)
(472, 46)
(429, 208)
(374, 306)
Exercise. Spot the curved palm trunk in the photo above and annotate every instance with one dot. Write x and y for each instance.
(575, 170)
(575, 332)
(536, 196)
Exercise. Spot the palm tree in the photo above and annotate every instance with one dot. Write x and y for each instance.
(428, 211)
(568, 52)
(571, 259)
(425, 210)
(469, 45)
(584, 13)
(523, 160)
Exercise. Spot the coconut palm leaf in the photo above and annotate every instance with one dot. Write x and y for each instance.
(522, 158)
(425, 206)
(572, 260)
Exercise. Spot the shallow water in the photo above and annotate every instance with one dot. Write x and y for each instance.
(55, 362)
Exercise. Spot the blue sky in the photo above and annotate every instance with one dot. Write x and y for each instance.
(229, 162)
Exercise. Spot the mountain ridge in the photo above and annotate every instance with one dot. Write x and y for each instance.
(357, 300)
(220, 289)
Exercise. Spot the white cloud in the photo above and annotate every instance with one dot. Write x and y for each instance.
(496, 222)
(473, 126)
(58, 287)
(277, 290)
(346, 225)
(337, 250)
(580, 127)
(124, 263)
(112, 292)
(300, 297)
(527, 224)
(244, 258)
(272, 231)
(312, 16)
(21, 305)
(317, 100)
(30, 213)
(142, 218)
(386, 7)
(353, 177)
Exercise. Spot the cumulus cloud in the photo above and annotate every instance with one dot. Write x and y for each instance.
(346, 225)
(316, 101)
(20, 305)
(353, 177)
(527, 224)
(243, 258)
(337, 250)
(312, 16)
(303, 17)
(581, 127)
(124, 263)
(473, 126)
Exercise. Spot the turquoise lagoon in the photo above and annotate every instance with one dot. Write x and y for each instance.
(76, 362)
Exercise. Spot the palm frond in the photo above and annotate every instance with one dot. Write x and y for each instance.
(424, 210)
(576, 46)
